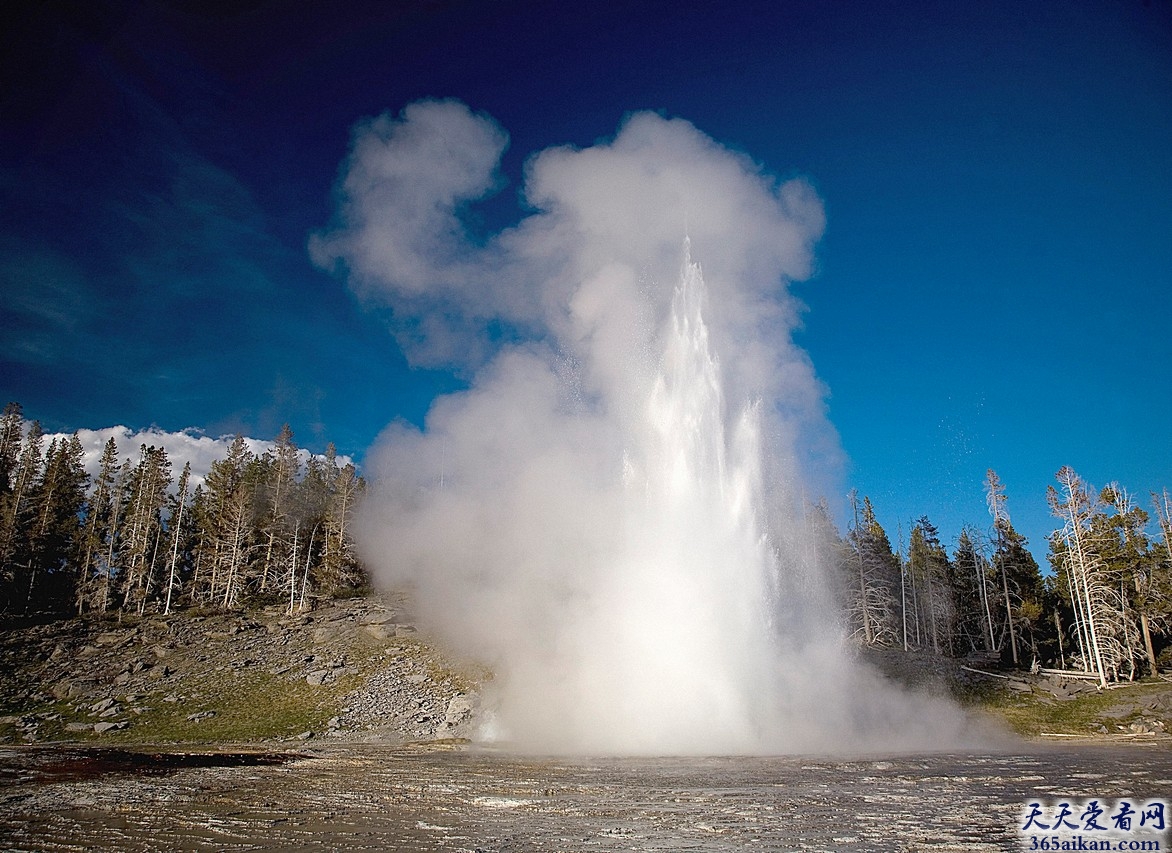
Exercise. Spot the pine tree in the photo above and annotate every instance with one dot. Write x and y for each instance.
(973, 592)
(928, 564)
(1017, 571)
(16, 509)
(1130, 561)
(995, 494)
(93, 569)
(280, 524)
(227, 525)
(54, 530)
(340, 567)
(11, 432)
(872, 610)
(1082, 575)
(1023, 579)
(179, 533)
(143, 525)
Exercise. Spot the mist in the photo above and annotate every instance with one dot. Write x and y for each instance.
(614, 517)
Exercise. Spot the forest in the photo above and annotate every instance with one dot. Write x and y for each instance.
(274, 528)
(1103, 609)
(262, 529)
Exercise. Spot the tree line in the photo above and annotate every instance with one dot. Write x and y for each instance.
(1104, 610)
(261, 529)
(270, 527)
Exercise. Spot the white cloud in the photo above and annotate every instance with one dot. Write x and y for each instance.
(182, 447)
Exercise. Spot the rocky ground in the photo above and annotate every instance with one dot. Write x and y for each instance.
(350, 668)
(1043, 704)
(358, 669)
(343, 728)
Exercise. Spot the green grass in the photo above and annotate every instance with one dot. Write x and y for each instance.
(1035, 714)
(252, 707)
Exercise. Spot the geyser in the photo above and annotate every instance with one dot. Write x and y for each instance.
(611, 516)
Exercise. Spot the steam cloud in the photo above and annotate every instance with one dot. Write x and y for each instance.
(612, 516)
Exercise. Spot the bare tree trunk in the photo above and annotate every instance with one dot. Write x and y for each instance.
(1151, 653)
(903, 599)
(1058, 631)
(174, 555)
(1084, 642)
(1008, 610)
(305, 577)
(982, 581)
(932, 615)
(293, 567)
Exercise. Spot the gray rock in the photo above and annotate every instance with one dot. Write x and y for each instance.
(379, 618)
(1120, 711)
(102, 728)
(460, 709)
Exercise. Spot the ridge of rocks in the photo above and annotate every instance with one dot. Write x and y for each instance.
(349, 668)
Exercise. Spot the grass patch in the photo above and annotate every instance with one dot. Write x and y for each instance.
(251, 706)
(1032, 714)
(256, 706)
(1029, 715)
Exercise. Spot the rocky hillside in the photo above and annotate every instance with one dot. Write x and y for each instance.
(1042, 705)
(358, 669)
(352, 668)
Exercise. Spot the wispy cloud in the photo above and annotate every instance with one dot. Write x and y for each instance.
(44, 297)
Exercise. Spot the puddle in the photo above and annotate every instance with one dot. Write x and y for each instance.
(79, 764)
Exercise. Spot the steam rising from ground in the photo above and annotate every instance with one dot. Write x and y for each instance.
(612, 516)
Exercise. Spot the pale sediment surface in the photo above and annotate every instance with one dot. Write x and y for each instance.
(366, 797)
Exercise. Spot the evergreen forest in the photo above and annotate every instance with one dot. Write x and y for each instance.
(262, 529)
(1103, 610)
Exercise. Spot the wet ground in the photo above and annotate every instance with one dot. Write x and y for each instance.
(359, 797)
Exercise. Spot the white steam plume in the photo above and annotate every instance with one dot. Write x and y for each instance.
(612, 515)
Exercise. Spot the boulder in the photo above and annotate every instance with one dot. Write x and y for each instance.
(460, 709)
(379, 631)
(378, 618)
(319, 677)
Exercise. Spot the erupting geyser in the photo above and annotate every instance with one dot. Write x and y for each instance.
(611, 516)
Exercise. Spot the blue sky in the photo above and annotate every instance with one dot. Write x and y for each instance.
(993, 288)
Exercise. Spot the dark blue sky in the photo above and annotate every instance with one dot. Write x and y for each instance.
(994, 287)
